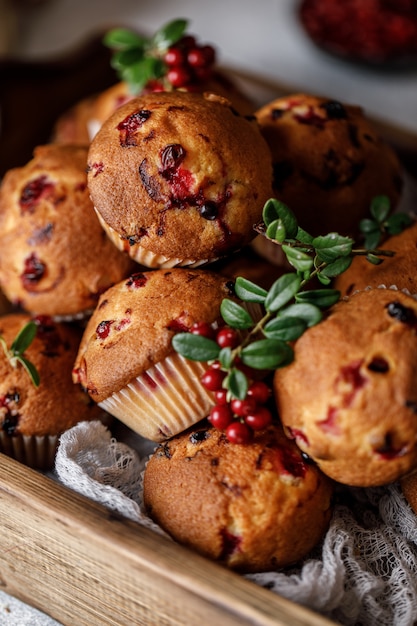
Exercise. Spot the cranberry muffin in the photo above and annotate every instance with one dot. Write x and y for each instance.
(253, 508)
(32, 418)
(178, 178)
(126, 361)
(54, 257)
(329, 161)
(349, 398)
(398, 271)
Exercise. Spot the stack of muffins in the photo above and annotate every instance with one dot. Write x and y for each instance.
(116, 244)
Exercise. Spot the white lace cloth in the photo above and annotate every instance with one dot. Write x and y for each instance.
(363, 574)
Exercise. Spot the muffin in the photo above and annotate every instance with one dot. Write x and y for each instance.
(329, 162)
(33, 418)
(126, 361)
(54, 257)
(349, 398)
(179, 179)
(252, 508)
(408, 486)
(399, 270)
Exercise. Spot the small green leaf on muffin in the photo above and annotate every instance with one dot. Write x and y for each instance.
(20, 344)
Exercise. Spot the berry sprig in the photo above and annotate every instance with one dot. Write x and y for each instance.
(382, 222)
(170, 59)
(241, 353)
(20, 344)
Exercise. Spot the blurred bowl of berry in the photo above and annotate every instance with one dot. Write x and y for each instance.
(378, 33)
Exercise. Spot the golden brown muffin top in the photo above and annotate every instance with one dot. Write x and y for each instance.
(180, 173)
(399, 270)
(56, 404)
(135, 320)
(329, 161)
(55, 258)
(253, 507)
(349, 398)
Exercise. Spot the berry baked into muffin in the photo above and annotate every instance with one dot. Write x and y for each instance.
(179, 179)
(126, 361)
(329, 162)
(349, 398)
(54, 257)
(32, 417)
(252, 507)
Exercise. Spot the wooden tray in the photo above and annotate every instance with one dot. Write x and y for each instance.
(60, 552)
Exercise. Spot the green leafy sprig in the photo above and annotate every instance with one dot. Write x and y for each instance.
(20, 344)
(137, 59)
(290, 308)
(382, 222)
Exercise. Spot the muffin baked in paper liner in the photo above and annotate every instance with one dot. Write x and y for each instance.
(364, 572)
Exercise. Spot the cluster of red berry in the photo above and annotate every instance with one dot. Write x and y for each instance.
(238, 418)
(188, 62)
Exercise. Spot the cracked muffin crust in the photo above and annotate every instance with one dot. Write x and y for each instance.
(54, 258)
(349, 398)
(252, 508)
(329, 161)
(126, 361)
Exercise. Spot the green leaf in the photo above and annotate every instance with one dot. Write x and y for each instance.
(276, 230)
(275, 210)
(24, 338)
(125, 58)
(330, 247)
(372, 239)
(195, 347)
(30, 369)
(397, 222)
(375, 260)
(169, 34)
(324, 279)
(267, 354)
(282, 291)
(285, 328)
(225, 357)
(123, 39)
(380, 208)
(337, 267)
(235, 315)
(310, 313)
(248, 291)
(320, 297)
(367, 225)
(237, 383)
(300, 260)
(303, 237)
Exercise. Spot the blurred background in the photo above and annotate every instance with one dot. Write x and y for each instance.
(266, 39)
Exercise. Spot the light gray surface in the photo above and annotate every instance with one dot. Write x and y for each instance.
(16, 613)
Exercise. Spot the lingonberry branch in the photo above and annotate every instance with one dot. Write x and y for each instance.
(16, 353)
(289, 311)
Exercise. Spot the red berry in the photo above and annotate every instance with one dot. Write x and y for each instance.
(243, 407)
(203, 73)
(221, 396)
(187, 42)
(196, 57)
(174, 56)
(259, 419)
(238, 432)
(204, 329)
(209, 54)
(220, 416)
(178, 76)
(212, 379)
(227, 338)
(259, 391)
